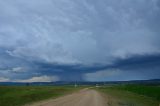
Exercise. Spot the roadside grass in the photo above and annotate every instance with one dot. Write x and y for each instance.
(151, 91)
(130, 95)
(20, 95)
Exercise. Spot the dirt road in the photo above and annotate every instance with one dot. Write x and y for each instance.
(86, 97)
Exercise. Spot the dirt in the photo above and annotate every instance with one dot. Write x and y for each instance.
(86, 97)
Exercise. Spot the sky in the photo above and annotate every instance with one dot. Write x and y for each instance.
(79, 40)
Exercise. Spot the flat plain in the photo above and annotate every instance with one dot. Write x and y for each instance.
(119, 95)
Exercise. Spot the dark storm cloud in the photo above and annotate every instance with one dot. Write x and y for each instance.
(136, 67)
(67, 39)
(145, 65)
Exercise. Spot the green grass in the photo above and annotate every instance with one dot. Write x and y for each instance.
(20, 95)
(151, 91)
(131, 95)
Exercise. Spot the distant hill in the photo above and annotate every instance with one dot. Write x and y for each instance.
(151, 82)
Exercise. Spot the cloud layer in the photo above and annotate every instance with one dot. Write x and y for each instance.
(32, 79)
(62, 37)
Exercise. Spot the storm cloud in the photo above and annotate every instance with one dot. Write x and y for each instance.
(79, 40)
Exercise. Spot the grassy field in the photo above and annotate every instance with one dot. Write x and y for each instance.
(20, 95)
(132, 95)
(150, 91)
(120, 95)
